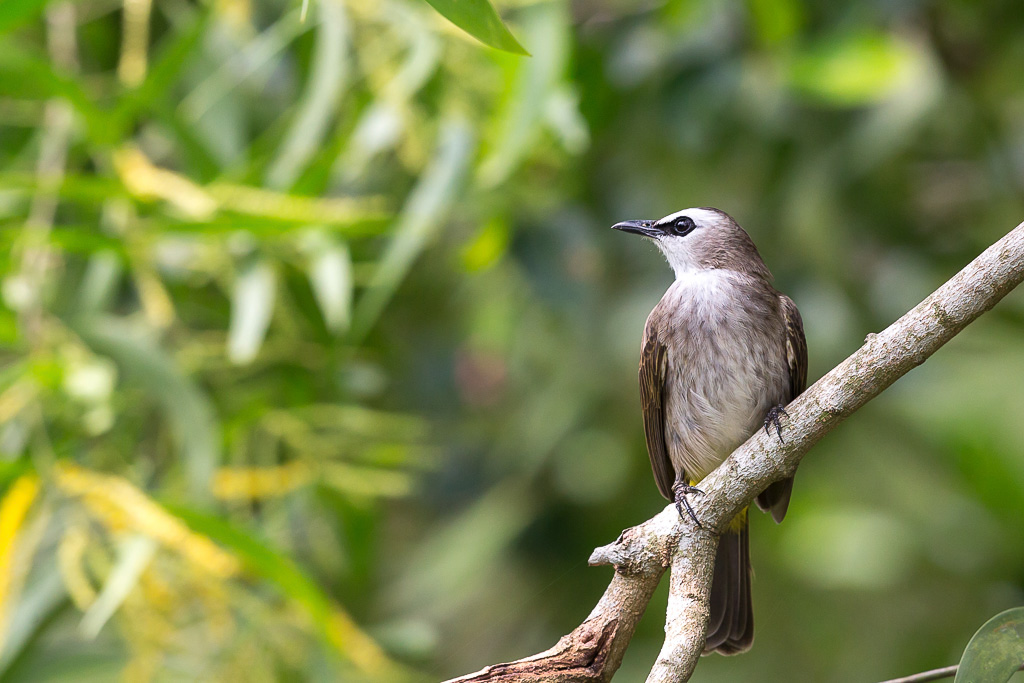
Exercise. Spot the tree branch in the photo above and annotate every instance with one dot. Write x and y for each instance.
(594, 650)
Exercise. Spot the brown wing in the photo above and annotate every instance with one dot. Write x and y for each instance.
(796, 348)
(776, 497)
(653, 364)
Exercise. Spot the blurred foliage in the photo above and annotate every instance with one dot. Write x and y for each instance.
(481, 20)
(318, 359)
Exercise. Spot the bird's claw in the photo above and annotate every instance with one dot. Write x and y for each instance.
(772, 420)
(682, 490)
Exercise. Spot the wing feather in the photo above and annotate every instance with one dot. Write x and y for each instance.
(796, 348)
(653, 366)
(776, 497)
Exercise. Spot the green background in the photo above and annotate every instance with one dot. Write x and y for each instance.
(338, 294)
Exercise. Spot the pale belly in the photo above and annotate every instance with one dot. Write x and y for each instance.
(708, 417)
(726, 369)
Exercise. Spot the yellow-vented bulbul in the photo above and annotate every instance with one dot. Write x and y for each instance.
(722, 353)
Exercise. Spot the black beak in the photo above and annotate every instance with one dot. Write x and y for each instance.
(645, 228)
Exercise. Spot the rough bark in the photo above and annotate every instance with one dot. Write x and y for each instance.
(641, 554)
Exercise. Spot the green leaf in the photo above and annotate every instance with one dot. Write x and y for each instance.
(42, 597)
(192, 417)
(421, 218)
(329, 73)
(165, 70)
(533, 83)
(134, 554)
(479, 19)
(260, 559)
(25, 74)
(16, 12)
(775, 21)
(99, 282)
(333, 622)
(996, 651)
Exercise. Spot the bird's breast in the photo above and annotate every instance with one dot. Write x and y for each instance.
(726, 364)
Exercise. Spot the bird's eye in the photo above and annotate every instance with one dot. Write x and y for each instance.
(683, 226)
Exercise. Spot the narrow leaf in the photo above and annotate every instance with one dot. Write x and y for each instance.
(252, 303)
(189, 412)
(330, 276)
(479, 19)
(133, 556)
(532, 83)
(41, 599)
(335, 624)
(421, 218)
(329, 72)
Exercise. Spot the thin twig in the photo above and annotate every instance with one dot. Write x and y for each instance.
(933, 675)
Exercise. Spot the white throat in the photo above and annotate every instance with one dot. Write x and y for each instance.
(678, 256)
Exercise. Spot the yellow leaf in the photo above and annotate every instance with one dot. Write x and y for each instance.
(122, 506)
(147, 181)
(13, 511)
(253, 483)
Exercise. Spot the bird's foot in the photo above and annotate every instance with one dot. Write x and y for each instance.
(681, 490)
(772, 420)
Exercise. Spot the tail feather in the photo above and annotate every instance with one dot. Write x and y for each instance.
(718, 606)
(731, 623)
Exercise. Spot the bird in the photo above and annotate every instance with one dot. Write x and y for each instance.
(722, 354)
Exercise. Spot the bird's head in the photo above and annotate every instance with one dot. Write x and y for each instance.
(701, 239)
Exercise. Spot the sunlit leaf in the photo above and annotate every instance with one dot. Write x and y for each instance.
(121, 506)
(479, 19)
(330, 275)
(133, 556)
(256, 483)
(14, 555)
(254, 201)
(487, 247)
(996, 651)
(852, 69)
(366, 481)
(14, 509)
(252, 303)
(147, 181)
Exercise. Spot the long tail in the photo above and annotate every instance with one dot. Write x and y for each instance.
(731, 626)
